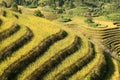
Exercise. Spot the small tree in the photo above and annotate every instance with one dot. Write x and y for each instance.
(71, 5)
(14, 7)
(60, 3)
(4, 4)
(89, 19)
(38, 13)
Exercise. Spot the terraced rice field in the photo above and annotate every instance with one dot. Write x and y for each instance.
(109, 37)
(112, 40)
(33, 48)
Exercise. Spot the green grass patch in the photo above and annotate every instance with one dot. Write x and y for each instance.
(64, 19)
(114, 17)
(48, 9)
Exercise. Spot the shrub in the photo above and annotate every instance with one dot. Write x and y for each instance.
(90, 22)
(16, 16)
(38, 13)
(3, 13)
(20, 11)
(1, 22)
(89, 19)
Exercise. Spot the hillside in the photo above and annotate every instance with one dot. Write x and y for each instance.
(42, 48)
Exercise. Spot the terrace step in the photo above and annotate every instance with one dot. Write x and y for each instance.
(110, 67)
(99, 71)
(82, 74)
(7, 51)
(40, 72)
(109, 29)
(76, 66)
(8, 32)
(16, 67)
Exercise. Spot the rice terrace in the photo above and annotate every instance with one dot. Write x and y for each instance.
(59, 39)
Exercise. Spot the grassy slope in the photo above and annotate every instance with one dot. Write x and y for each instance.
(104, 21)
(41, 30)
(79, 23)
(13, 38)
(116, 74)
(48, 15)
(81, 74)
(5, 24)
(81, 27)
(51, 52)
(69, 60)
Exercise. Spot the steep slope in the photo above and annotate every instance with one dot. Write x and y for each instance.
(43, 50)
